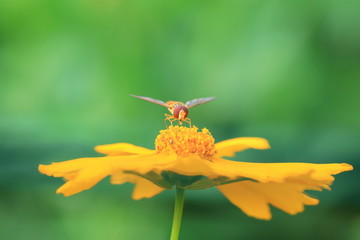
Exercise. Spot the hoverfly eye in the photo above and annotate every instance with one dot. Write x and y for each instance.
(177, 110)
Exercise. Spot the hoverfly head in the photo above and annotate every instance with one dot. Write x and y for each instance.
(180, 112)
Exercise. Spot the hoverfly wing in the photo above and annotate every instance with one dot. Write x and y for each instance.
(198, 101)
(162, 103)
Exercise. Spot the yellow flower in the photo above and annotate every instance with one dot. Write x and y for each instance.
(189, 159)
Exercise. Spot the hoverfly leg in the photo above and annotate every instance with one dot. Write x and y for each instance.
(188, 120)
(172, 120)
(168, 118)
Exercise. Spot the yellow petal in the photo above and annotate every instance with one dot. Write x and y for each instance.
(61, 169)
(84, 180)
(247, 195)
(317, 175)
(254, 205)
(83, 173)
(229, 147)
(117, 149)
(145, 189)
(120, 177)
(189, 165)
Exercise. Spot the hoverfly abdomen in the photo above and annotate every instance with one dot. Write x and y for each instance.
(180, 112)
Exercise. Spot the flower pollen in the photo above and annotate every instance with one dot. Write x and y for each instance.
(183, 141)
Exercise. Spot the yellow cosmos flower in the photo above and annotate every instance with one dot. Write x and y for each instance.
(190, 159)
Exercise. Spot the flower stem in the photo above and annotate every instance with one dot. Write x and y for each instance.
(179, 204)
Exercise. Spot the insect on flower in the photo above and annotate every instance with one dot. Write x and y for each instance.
(179, 110)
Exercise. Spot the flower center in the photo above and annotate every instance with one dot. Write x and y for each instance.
(185, 140)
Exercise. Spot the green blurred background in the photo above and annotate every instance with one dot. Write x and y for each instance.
(288, 71)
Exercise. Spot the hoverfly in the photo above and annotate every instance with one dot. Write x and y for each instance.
(179, 110)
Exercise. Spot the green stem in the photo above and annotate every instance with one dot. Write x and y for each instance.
(179, 204)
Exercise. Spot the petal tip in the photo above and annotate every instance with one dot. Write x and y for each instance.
(347, 167)
(266, 144)
(260, 143)
(43, 169)
(267, 216)
(63, 193)
(134, 197)
(99, 149)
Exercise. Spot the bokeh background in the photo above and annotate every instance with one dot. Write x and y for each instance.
(288, 71)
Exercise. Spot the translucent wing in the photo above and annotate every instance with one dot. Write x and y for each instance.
(198, 101)
(151, 100)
